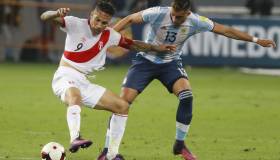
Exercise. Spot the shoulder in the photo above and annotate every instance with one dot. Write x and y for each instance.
(156, 10)
(193, 18)
(200, 23)
(153, 14)
(160, 9)
(164, 9)
(75, 20)
(114, 36)
(73, 24)
(196, 18)
(72, 18)
(112, 31)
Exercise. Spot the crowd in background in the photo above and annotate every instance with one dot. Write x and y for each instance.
(37, 47)
(261, 7)
(10, 21)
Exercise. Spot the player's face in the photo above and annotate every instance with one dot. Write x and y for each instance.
(99, 21)
(179, 17)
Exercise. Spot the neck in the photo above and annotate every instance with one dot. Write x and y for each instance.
(94, 32)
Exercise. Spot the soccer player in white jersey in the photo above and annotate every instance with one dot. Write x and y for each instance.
(171, 25)
(85, 51)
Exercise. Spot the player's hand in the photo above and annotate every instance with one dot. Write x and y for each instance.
(62, 12)
(266, 43)
(165, 48)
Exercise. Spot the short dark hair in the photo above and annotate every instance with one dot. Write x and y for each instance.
(180, 5)
(105, 6)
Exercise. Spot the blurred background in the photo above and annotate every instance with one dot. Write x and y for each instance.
(24, 38)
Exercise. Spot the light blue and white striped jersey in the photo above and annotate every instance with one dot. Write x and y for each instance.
(162, 31)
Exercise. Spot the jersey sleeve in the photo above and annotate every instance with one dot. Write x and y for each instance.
(69, 23)
(115, 37)
(118, 40)
(204, 24)
(150, 15)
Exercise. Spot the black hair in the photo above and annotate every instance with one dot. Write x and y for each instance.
(181, 5)
(105, 6)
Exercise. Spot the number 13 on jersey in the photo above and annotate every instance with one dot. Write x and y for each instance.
(170, 36)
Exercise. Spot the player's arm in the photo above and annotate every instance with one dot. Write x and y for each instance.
(128, 20)
(141, 46)
(239, 35)
(55, 16)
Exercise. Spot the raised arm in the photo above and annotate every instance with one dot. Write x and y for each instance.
(55, 16)
(239, 35)
(128, 20)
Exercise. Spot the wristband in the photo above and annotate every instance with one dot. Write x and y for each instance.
(125, 42)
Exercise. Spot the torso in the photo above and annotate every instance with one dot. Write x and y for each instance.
(163, 31)
(84, 51)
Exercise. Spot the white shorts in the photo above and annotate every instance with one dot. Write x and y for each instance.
(66, 77)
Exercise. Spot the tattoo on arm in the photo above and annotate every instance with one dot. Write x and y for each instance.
(141, 46)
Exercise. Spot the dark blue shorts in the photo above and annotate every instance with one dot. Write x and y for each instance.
(143, 71)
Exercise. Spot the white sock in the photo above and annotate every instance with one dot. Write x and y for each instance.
(107, 138)
(117, 127)
(74, 120)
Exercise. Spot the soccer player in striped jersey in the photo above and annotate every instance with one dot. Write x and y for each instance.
(171, 25)
(85, 51)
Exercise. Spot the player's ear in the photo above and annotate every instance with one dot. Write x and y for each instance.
(88, 21)
(90, 16)
(91, 13)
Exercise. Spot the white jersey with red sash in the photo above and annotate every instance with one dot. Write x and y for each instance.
(83, 50)
(86, 53)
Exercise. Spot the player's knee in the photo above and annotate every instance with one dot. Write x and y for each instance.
(122, 107)
(184, 112)
(73, 98)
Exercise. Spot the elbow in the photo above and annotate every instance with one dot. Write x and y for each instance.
(129, 19)
(43, 17)
(133, 18)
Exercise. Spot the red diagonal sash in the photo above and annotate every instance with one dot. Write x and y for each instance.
(85, 56)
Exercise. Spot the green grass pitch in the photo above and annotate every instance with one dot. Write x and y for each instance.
(236, 116)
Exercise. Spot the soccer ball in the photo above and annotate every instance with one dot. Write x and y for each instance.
(53, 151)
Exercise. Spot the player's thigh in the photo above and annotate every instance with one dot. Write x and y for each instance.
(174, 77)
(139, 75)
(112, 102)
(67, 89)
(91, 93)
